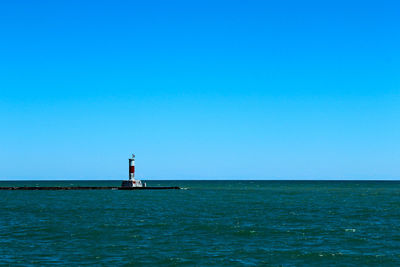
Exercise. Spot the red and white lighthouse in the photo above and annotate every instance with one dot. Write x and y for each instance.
(132, 182)
(132, 168)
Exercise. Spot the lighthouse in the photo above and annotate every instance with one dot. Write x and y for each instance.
(132, 168)
(132, 182)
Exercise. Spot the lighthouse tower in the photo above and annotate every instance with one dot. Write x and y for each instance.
(132, 182)
(132, 168)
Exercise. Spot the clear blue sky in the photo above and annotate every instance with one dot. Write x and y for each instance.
(200, 89)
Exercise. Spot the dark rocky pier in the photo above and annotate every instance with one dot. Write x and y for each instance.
(87, 188)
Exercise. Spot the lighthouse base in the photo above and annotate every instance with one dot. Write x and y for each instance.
(133, 183)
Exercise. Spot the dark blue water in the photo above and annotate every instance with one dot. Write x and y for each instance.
(212, 223)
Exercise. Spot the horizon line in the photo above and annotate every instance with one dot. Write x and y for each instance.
(223, 179)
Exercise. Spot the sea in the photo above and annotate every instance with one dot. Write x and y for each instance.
(208, 223)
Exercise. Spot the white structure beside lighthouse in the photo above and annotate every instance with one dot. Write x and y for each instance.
(132, 182)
